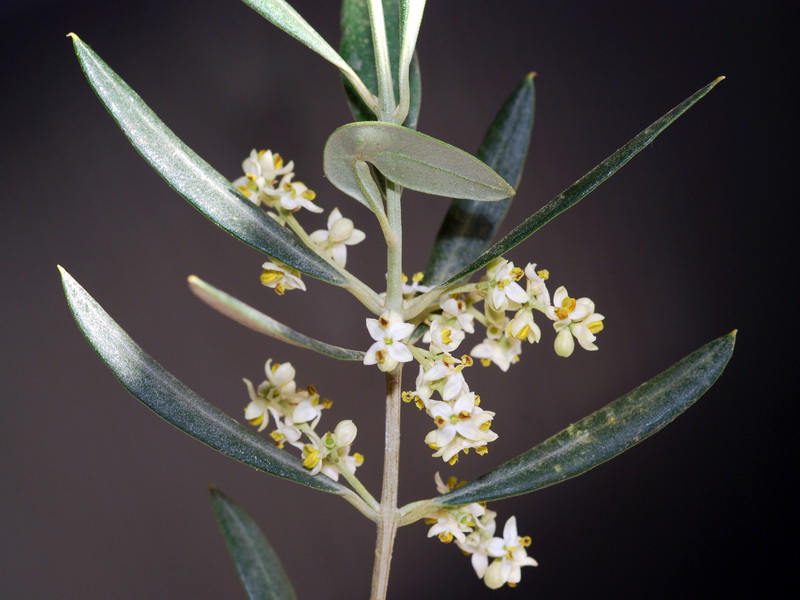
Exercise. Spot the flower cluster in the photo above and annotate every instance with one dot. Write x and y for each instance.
(295, 413)
(461, 424)
(473, 526)
(267, 182)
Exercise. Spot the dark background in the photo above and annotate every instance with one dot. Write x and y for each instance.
(101, 499)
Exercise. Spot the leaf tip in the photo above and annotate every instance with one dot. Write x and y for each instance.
(530, 76)
(74, 36)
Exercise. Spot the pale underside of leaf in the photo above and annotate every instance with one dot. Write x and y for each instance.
(258, 565)
(581, 188)
(411, 160)
(258, 321)
(193, 178)
(605, 433)
(170, 399)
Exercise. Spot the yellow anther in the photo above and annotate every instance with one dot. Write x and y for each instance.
(453, 460)
(275, 367)
(544, 274)
(523, 333)
(482, 450)
(404, 277)
(407, 396)
(429, 521)
(446, 537)
(433, 446)
(525, 541)
(311, 389)
(277, 160)
(485, 426)
(595, 327)
(359, 458)
(417, 277)
(380, 356)
(310, 456)
(446, 339)
(486, 362)
(257, 420)
(384, 322)
(251, 177)
(268, 277)
(452, 481)
(477, 400)
(309, 194)
(261, 153)
(280, 289)
(503, 283)
(419, 403)
(277, 436)
(466, 361)
(517, 273)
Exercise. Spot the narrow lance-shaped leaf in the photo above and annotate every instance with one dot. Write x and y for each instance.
(257, 563)
(258, 321)
(581, 188)
(193, 178)
(283, 16)
(357, 49)
(171, 400)
(410, 20)
(603, 434)
(410, 159)
(469, 226)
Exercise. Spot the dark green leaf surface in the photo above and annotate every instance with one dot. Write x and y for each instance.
(257, 321)
(193, 178)
(357, 49)
(257, 563)
(469, 226)
(170, 399)
(581, 188)
(605, 433)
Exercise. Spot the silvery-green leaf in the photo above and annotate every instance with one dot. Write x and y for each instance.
(357, 49)
(410, 20)
(258, 321)
(603, 434)
(256, 562)
(581, 188)
(193, 178)
(283, 16)
(469, 226)
(410, 159)
(171, 400)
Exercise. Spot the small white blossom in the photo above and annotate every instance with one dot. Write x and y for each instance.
(389, 349)
(455, 309)
(262, 170)
(294, 196)
(522, 327)
(461, 425)
(281, 277)
(510, 556)
(441, 338)
(503, 352)
(409, 290)
(340, 233)
(574, 318)
(503, 287)
(445, 376)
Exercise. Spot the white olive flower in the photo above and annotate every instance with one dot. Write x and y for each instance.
(503, 352)
(441, 338)
(262, 170)
(281, 277)
(456, 314)
(340, 233)
(389, 349)
(522, 327)
(536, 287)
(461, 425)
(294, 196)
(409, 290)
(510, 556)
(574, 318)
(503, 287)
(446, 377)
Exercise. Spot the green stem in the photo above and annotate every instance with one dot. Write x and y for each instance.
(423, 302)
(388, 515)
(394, 244)
(351, 478)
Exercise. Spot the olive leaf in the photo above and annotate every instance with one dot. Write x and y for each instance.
(171, 400)
(192, 177)
(258, 565)
(286, 18)
(605, 433)
(358, 50)
(258, 321)
(410, 159)
(581, 188)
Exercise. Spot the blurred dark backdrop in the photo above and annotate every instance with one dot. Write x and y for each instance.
(101, 499)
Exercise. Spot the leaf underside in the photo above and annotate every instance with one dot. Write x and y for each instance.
(605, 433)
(258, 321)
